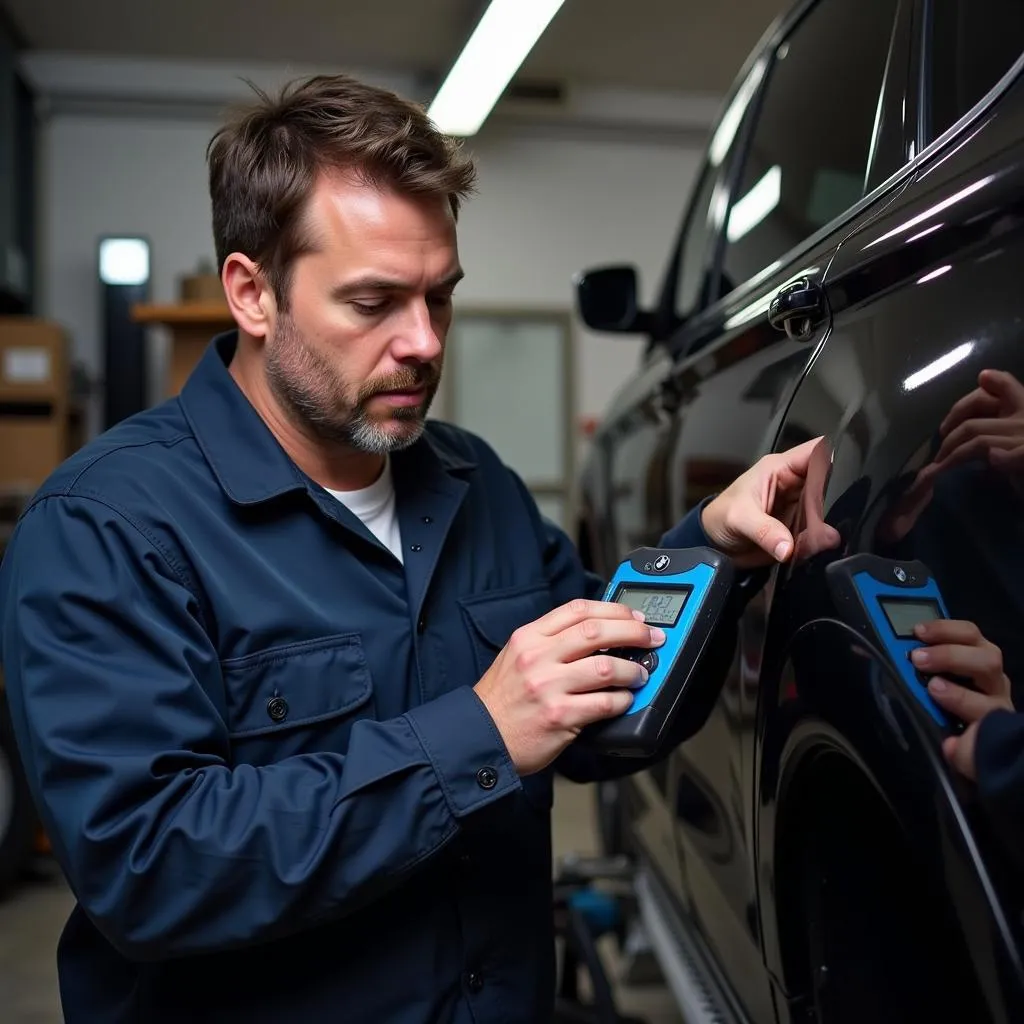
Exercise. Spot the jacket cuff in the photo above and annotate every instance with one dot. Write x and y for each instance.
(466, 750)
(688, 532)
(999, 761)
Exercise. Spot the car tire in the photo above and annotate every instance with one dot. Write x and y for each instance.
(17, 817)
(881, 944)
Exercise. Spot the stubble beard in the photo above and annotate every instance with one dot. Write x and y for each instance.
(322, 401)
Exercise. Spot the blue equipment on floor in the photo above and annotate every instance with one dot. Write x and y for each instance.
(583, 916)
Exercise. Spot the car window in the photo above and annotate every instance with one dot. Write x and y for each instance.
(700, 227)
(808, 154)
(692, 252)
(973, 44)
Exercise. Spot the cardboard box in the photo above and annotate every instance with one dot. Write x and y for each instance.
(37, 420)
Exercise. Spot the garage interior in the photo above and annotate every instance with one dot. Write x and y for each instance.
(105, 111)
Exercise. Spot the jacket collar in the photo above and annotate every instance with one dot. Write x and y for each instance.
(248, 461)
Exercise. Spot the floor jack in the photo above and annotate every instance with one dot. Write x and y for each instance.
(584, 914)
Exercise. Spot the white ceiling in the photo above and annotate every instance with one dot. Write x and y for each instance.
(693, 45)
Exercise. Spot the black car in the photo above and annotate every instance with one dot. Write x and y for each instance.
(850, 261)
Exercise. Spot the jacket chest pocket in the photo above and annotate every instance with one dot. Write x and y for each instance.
(296, 698)
(491, 619)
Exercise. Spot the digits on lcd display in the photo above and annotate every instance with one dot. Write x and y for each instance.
(660, 607)
(904, 614)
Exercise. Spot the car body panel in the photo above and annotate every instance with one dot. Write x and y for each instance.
(920, 286)
(923, 299)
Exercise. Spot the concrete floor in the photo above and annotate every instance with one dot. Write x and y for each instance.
(32, 916)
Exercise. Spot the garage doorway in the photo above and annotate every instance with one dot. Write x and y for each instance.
(509, 378)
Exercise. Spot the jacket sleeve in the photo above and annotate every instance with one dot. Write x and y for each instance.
(999, 764)
(115, 693)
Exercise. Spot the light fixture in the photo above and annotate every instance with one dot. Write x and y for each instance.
(124, 266)
(507, 32)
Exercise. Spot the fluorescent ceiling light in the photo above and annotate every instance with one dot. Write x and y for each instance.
(507, 32)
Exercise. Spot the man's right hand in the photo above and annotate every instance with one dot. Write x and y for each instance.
(550, 679)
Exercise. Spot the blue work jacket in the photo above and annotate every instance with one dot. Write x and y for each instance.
(252, 732)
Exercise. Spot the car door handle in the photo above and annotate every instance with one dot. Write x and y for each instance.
(798, 308)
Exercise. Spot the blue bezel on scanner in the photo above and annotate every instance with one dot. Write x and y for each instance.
(697, 580)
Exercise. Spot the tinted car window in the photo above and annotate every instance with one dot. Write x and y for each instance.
(700, 227)
(694, 247)
(973, 44)
(809, 153)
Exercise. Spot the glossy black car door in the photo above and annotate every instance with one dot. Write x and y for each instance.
(918, 391)
(727, 399)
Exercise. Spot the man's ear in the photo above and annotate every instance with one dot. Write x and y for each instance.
(249, 296)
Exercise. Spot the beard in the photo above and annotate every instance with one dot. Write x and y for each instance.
(332, 408)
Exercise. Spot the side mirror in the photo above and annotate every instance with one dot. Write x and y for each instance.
(607, 300)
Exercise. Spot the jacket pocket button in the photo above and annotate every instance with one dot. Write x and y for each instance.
(474, 981)
(277, 708)
(487, 778)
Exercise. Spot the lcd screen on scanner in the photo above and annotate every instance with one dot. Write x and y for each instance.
(660, 607)
(904, 614)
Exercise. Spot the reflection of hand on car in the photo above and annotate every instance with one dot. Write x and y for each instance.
(955, 647)
(815, 535)
(746, 520)
(987, 424)
(904, 512)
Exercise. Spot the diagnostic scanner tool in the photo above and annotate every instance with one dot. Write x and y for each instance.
(683, 591)
(884, 599)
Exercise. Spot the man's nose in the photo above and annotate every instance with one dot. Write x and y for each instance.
(418, 338)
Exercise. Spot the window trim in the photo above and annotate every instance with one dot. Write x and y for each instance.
(668, 316)
(898, 88)
(745, 290)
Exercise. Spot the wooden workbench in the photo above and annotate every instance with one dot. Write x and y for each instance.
(192, 325)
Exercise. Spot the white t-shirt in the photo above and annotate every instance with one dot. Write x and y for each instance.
(375, 506)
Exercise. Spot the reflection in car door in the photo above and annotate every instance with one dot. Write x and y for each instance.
(728, 394)
(924, 299)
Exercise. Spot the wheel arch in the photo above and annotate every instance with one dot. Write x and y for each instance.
(854, 800)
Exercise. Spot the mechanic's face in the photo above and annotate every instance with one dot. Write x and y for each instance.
(357, 358)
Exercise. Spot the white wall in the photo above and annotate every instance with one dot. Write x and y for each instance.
(547, 206)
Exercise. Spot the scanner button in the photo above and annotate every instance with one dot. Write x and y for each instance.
(649, 660)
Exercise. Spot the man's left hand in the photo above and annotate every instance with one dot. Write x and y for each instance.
(745, 520)
(957, 647)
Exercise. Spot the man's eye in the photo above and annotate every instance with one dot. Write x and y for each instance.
(440, 300)
(369, 308)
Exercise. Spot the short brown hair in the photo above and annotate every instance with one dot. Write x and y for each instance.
(264, 163)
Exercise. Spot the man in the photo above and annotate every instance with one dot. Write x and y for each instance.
(291, 670)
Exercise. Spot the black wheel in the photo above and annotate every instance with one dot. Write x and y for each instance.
(881, 944)
(17, 817)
